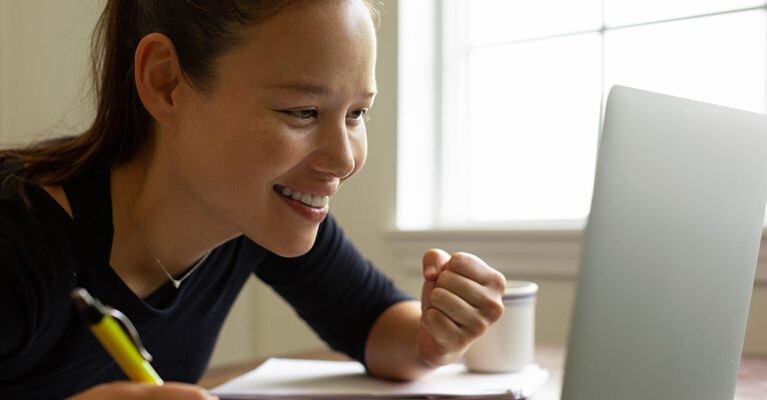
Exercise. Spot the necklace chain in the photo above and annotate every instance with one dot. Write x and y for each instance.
(176, 282)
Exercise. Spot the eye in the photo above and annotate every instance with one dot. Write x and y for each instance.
(302, 114)
(358, 114)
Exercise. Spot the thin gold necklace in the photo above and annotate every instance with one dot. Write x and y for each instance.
(176, 282)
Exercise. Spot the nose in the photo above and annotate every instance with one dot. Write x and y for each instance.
(335, 153)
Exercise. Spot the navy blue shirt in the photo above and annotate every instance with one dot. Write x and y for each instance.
(46, 349)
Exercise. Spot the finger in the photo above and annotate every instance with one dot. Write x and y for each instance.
(442, 329)
(177, 391)
(146, 391)
(433, 262)
(469, 319)
(475, 269)
(487, 301)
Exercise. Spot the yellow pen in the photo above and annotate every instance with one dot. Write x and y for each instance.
(121, 342)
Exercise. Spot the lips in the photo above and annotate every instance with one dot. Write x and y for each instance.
(304, 204)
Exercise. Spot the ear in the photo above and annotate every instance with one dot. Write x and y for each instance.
(158, 77)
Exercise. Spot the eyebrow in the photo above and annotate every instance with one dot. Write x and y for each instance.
(310, 89)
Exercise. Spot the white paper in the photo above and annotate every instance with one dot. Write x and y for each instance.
(279, 377)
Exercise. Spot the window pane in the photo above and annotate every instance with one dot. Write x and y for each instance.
(494, 21)
(533, 123)
(623, 12)
(718, 59)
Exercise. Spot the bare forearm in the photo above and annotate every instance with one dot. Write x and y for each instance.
(391, 350)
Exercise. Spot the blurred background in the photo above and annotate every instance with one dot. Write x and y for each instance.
(483, 137)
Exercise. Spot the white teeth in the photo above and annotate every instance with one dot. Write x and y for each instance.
(306, 198)
(315, 201)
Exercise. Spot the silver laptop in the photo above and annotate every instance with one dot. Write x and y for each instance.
(670, 251)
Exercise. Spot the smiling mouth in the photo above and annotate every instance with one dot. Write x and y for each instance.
(315, 201)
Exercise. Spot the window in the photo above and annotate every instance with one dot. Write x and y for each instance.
(500, 101)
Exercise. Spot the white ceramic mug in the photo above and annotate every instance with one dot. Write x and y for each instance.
(509, 344)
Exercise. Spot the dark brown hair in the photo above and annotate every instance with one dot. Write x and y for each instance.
(201, 31)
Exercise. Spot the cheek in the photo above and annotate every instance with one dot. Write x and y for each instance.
(218, 149)
(231, 134)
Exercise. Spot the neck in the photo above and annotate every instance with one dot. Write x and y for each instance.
(178, 228)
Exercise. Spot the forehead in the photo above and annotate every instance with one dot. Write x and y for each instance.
(327, 43)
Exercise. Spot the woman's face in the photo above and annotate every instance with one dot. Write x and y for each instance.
(283, 123)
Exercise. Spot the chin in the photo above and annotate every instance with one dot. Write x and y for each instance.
(291, 247)
(290, 252)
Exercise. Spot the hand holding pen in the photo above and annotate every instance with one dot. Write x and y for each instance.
(144, 391)
(121, 341)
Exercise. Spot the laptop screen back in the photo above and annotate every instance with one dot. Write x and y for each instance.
(670, 250)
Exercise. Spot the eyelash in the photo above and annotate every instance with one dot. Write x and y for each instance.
(302, 114)
(311, 114)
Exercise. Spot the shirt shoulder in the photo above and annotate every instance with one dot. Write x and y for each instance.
(38, 265)
(27, 212)
(36, 228)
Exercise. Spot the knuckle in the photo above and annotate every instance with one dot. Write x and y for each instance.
(495, 310)
(477, 328)
(431, 316)
(439, 295)
(444, 278)
(498, 281)
(460, 257)
(464, 341)
(441, 279)
(500, 278)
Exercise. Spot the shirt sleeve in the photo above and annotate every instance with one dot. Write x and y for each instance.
(334, 289)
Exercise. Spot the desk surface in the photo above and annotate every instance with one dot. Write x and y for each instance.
(752, 379)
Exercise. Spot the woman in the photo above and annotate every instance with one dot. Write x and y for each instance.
(223, 130)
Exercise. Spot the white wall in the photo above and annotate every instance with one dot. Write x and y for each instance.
(43, 68)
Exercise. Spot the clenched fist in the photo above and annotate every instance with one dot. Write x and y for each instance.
(460, 299)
